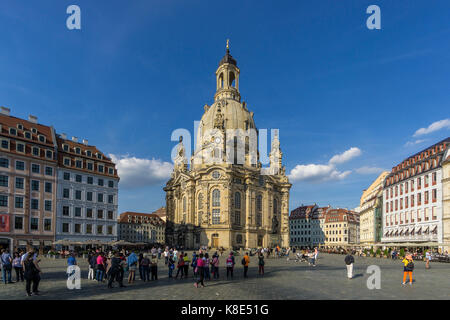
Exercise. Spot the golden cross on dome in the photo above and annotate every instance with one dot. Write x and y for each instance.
(228, 43)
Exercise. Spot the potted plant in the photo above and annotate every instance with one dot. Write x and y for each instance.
(378, 252)
(372, 253)
(386, 253)
(402, 252)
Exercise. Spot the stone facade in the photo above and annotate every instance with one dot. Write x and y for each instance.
(225, 198)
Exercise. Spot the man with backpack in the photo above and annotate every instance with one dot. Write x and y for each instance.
(245, 262)
(115, 271)
(408, 267)
(349, 260)
(6, 260)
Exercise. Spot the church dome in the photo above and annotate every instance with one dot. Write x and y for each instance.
(228, 58)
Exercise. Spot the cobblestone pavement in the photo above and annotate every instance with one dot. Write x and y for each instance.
(286, 280)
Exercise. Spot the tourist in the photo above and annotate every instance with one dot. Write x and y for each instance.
(207, 262)
(166, 256)
(159, 253)
(114, 270)
(145, 263)
(186, 265)
(100, 267)
(18, 267)
(32, 273)
(408, 267)
(215, 266)
(171, 264)
(71, 261)
(92, 266)
(428, 259)
(154, 267)
(91, 269)
(230, 265)
(180, 266)
(194, 264)
(245, 262)
(261, 264)
(132, 261)
(349, 260)
(200, 270)
(141, 273)
(6, 266)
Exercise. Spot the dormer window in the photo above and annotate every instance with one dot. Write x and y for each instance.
(111, 171)
(101, 168)
(34, 130)
(19, 126)
(49, 154)
(13, 131)
(99, 156)
(65, 147)
(41, 138)
(27, 135)
(89, 153)
(77, 150)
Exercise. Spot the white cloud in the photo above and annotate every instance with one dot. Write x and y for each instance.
(345, 156)
(413, 143)
(435, 126)
(316, 173)
(369, 170)
(135, 172)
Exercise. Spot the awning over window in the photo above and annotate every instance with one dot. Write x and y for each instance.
(426, 229)
(401, 232)
(22, 242)
(36, 243)
(418, 229)
(387, 233)
(434, 229)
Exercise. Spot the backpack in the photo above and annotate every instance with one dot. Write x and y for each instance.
(410, 265)
(243, 261)
(229, 262)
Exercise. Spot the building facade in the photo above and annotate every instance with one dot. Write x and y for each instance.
(341, 228)
(446, 200)
(412, 198)
(225, 198)
(27, 183)
(306, 226)
(141, 227)
(370, 214)
(87, 193)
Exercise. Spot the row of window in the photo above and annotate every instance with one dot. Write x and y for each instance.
(21, 148)
(77, 150)
(393, 205)
(417, 169)
(20, 166)
(78, 163)
(409, 185)
(35, 184)
(411, 216)
(26, 134)
(78, 195)
(77, 228)
(34, 223)
(89, 180)
(77, 212)
(19, 203)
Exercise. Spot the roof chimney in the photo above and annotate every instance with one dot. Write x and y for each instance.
(85, 142)
(64, 136)
(74, 139)
(5, 111)
(32, 118)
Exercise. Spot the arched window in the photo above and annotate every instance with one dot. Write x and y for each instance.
(275, 206)
(221, 80)
(232, 79)
(239, 239)
(237, 200)
(200, 201)
(184, 204)
(216, 198)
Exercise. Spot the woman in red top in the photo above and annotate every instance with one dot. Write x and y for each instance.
(200, 270)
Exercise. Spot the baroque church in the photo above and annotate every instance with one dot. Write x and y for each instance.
(222, 196)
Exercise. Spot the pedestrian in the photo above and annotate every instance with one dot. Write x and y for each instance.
(245, 262)
(114, 271)
(6, 266)
(261, 264)
(180, 266)
(154, 267)
(32, 273)
(207, 262)
(349, 260)
(100, 267)
(215, 266)
(428, 259)
(159, 253)
(166, 256)
(141, 273)
(315, 256)
(200, 270)
(171, 265)
(91, 266)
(18, 267)
(186, 265)
(132, 261)
(230, 265)
(145, 263)
(194, 265)
(408, 268)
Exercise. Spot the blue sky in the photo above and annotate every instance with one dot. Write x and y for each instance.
(137, 70)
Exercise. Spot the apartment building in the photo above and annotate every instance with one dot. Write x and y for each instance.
(141, 227)
(341, 228)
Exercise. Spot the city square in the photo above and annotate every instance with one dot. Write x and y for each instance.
(283, 280)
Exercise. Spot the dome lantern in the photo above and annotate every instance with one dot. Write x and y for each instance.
(227, 77)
